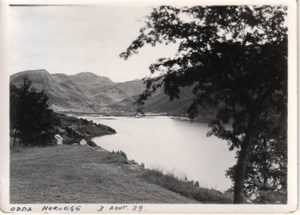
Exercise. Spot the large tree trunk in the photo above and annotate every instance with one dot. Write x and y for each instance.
(15, 136)
(240, 172)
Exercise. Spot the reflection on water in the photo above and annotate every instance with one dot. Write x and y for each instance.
(171, 144)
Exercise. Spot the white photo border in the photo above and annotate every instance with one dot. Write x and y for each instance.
(292, 204)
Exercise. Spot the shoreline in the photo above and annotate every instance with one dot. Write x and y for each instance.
(80, 169)
(62, 173)
(81, 174)
(130, 142)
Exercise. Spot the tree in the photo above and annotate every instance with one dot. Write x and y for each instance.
(235, 57)
(266, 177)
(30, 117)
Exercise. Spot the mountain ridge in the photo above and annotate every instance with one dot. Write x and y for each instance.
(82, 92)
(87, 92)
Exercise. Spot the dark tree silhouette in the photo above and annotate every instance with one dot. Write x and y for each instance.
(31, 120)
(235, 57)
(266, 174)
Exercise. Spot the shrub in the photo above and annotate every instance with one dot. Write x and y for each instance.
(91, 143)
(120, 152)
(186, 188)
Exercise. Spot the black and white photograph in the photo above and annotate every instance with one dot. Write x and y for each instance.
(149, 106)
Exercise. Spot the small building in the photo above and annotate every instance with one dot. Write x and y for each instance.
(83, 142)
(59, 139)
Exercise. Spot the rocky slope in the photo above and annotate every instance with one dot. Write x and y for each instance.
(83, 92)
(73, 130)
(89, 93)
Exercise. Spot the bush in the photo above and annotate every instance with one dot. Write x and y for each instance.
(118, 157)
(120, 152)
(186, 188)
(91, 143)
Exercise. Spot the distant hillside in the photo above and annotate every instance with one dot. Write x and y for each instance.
(88, 92)
(62, 92)
(160, 103)
(83, 92)
(88, 78)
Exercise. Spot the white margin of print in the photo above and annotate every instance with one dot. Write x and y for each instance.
(290, 207)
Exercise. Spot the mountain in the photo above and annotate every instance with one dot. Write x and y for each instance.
(158, 103)
(62, 92)
(111, 94)
(83, 92)
(88, 78)
(88, 92)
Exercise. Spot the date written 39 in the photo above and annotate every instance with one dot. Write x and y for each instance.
(136, 208)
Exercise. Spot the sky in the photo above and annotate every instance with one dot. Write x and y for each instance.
(74, 39)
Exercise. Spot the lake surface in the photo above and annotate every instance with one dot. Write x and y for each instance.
(172, 145)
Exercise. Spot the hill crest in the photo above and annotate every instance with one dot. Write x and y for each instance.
(87, 92)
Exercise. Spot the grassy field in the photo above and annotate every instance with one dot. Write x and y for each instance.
(81, 174)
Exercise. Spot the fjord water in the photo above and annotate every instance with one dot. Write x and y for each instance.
(172, 145)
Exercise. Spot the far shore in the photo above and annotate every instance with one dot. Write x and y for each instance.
(202, 119)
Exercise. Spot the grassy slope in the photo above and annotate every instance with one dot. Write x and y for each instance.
(81, 174)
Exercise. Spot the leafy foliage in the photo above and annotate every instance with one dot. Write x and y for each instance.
(30, 117)
(266, 175)
(235, 57)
